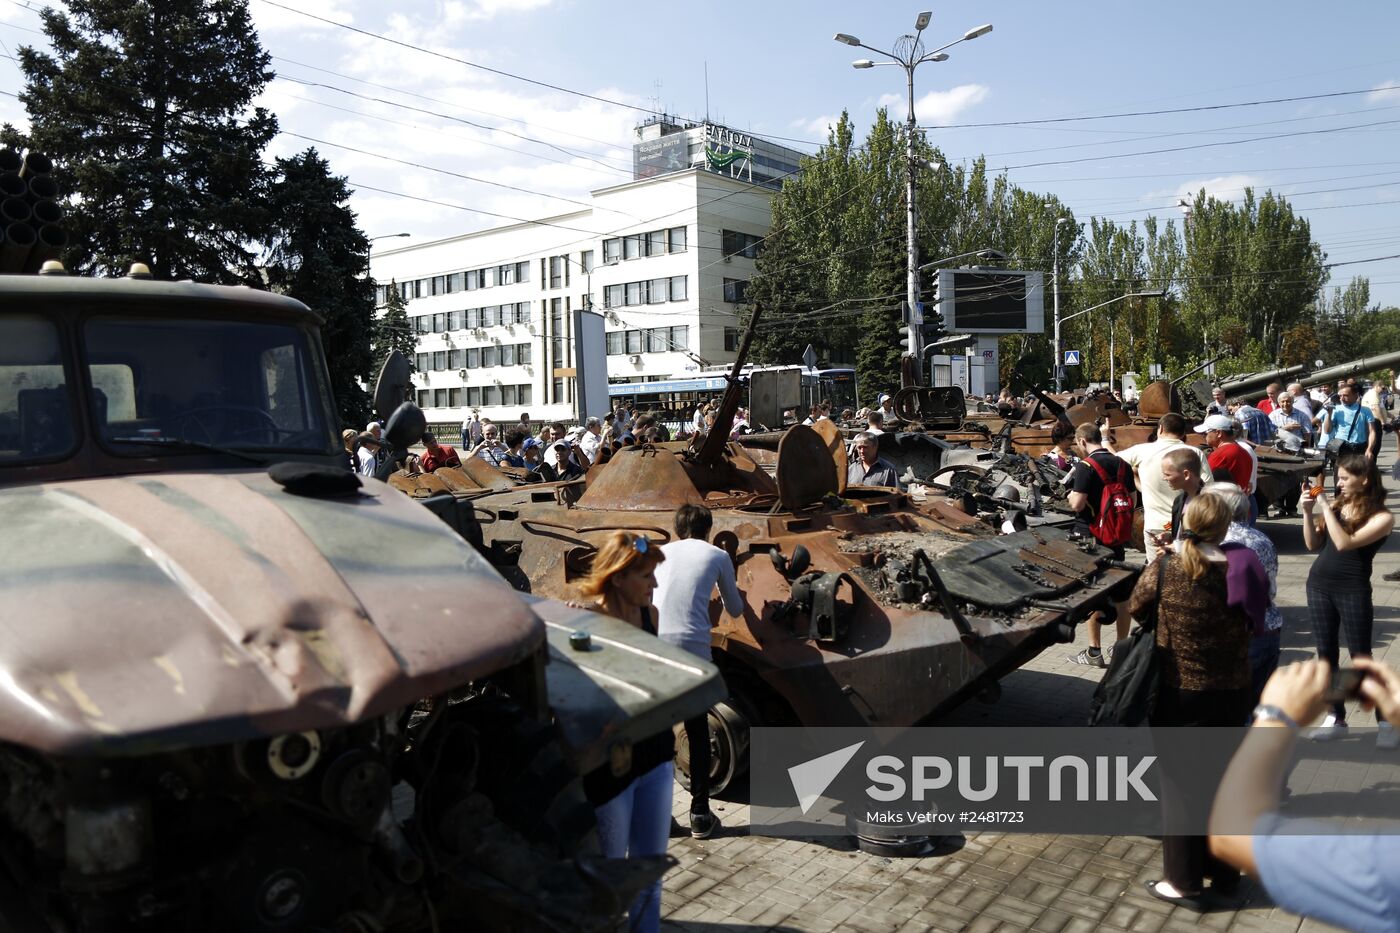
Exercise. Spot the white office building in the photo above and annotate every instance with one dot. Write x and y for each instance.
(664, 258)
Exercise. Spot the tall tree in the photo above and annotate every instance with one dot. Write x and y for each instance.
(392, 330)
(145, 106)
(318, 254)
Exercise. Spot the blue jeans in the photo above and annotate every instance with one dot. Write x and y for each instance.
(1263, 659)
(636, 823)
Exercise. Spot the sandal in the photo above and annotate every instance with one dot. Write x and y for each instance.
(1196, 902)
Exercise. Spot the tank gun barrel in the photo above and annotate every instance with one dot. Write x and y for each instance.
(1356, 367)
(712, 450)
(1252, 385)
(1184, 376)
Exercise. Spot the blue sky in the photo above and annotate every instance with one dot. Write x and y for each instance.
(773, 68)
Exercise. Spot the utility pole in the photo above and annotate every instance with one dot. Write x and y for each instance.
(909, 54)
(1058, 362)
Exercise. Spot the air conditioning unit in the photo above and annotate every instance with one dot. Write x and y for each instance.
(462, 374)
(479, 332)
(634, 358)
(530, 328)
(613, 318)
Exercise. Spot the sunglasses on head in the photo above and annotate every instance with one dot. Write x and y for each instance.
(640, 544)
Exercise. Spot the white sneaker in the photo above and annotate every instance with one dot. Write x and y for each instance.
(1331, 728)
(1386, 736)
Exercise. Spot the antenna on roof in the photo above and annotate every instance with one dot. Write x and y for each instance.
(656, 96)
(707, 91)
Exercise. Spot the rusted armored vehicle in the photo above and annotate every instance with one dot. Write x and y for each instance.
(242, 689)
(862, 605)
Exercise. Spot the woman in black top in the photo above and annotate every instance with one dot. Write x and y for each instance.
(1349, 532)
(634, 808)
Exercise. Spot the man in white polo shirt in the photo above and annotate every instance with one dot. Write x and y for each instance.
(1146, 461)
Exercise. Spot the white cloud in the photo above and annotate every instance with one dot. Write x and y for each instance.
(1386, 90)
(1223, 187)
(816, 127)
(270, 19)
(489, 9)
(938, 107)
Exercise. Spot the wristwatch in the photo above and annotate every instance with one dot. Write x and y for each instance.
(1267, 711)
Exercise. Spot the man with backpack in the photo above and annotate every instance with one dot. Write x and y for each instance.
(1102, 498)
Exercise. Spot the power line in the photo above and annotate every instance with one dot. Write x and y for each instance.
(1152, 113)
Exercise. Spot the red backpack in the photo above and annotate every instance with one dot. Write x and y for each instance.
(1113, 522)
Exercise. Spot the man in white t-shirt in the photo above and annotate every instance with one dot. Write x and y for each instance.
(685, 581)
(1146, 461)
(591, 439)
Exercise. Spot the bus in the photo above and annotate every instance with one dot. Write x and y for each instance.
(674, 399)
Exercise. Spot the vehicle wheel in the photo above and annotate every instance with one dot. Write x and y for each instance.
(729, 723)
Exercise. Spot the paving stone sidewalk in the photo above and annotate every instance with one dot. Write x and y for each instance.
(994, 882)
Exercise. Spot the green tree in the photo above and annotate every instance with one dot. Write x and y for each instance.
(392, 330)
(146, 108)
(318, 254)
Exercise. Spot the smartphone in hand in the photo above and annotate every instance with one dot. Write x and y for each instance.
(1346, 685)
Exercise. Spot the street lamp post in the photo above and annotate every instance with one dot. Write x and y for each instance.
(909, 54)
(1057, 362)
(1155, 293)
(388, 236)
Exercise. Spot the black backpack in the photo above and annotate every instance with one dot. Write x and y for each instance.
(1127, 694)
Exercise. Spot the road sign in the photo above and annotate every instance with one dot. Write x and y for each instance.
(809, 357)
(1071, 357)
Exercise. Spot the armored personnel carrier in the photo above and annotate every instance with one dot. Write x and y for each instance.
(242, 689)
(863, 606)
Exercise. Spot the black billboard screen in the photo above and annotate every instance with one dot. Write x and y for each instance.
(989, 301)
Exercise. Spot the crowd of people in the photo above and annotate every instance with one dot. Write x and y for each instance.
(1210, 590)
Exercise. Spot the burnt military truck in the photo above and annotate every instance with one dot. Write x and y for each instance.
(242, 689)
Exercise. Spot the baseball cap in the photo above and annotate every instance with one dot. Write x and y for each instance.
(1216, 423)
(884, 398)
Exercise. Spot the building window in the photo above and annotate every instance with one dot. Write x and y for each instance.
(508, 354)
(522, 354)
(658, 291)
(612, 249)
(456, 282)
(676, 239)
(678, 289)
(490, 316)
(505, 275)
(522, 312)
(490, 396)
(522, 271)
(425, 398)
(616, 342)
(474, 358)
(656, 243)
(556, 271)
(421, 362)
(558, 390)
(734, 243)
(731, 338)
(634, 341)
(439, 285)
(557, 348)
(456, 359)
(423, 324)
(490, 358)
(473, 281)
(439, 398)
(656, 339)
(632, 246)
(635, 294)
(585, 260)
(734, 290)
(454, 398)
(508, 395)
(680, 337)
(523, 395)
(439, 323)
(439, 360)
(473, 397)
(612, 296)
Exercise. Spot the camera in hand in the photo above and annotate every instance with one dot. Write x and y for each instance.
(1346, 685)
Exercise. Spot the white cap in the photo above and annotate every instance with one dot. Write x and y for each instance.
(1216, 423)
(884, 399)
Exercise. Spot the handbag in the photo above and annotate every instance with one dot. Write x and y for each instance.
(1127, 695)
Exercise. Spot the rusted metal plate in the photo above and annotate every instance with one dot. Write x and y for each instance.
(836, 446)
(806, 472)
(245, 610)
(485, 475)
(642, 479)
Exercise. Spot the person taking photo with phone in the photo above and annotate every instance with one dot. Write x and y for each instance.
(1349, 532)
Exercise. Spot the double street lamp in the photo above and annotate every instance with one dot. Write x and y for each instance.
(909, 53)
(1154, 293)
